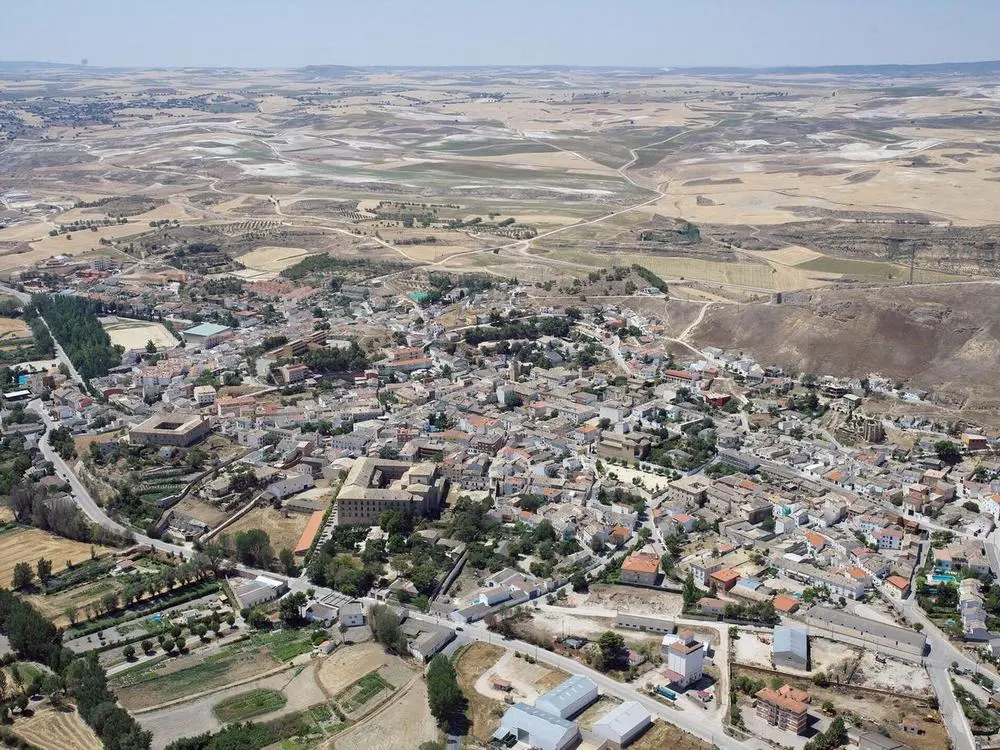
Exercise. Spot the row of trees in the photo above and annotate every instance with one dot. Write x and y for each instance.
(74, 324)
(532, 328)
(34, 638)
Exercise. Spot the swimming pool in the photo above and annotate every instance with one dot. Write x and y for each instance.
(942, 578)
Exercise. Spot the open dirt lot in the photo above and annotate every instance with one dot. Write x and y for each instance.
(284, 530)
(196, 716)
(13, 328)
(474, 669)
(662, 735)
(405, 722)
(628, 599)
(134, 334)
(345, 665)
(202, 511)
(51, 729)
(28, 545)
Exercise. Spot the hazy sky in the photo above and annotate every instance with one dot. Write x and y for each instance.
(280, 33)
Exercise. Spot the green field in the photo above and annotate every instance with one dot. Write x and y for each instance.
(756, 275)
(872, 269)
(243, 706)
(362, 691)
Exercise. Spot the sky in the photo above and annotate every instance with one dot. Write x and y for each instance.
(292, 33)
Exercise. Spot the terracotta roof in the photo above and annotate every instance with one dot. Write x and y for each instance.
(785, 603)
(642, 562)
(771, 696)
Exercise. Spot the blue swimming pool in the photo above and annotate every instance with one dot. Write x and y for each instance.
(942, 578)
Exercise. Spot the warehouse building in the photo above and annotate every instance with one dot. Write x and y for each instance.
(568, 698)
(790, 647)
(536, 728)
(206, 335)
(842, 626)
(623, 725)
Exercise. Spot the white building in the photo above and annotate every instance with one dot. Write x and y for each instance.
(204, 395)
(568, 698)
(685, 658)
(536, 728)
(624, 724)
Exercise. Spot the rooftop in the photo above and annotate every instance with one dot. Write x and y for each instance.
(205, 329)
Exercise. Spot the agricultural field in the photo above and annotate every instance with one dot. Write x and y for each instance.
(56, 729)
(342, 667)
(367, 691)
(406, 722)
(134, 334)
(13, 329)
(268, 262)
(78, 598)
(168, 679)
(28, 545)
(244, 706)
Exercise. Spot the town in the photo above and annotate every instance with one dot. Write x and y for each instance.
(608, 535)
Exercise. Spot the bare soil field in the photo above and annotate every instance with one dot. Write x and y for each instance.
(284, 529)
(134, 334)
(28, 545)
(475, 662)
(405, 721)
(52, 729)
(345, 665)
(202, 511)
(629, 599)
(662, 735)
(13, 328)
(272, 260)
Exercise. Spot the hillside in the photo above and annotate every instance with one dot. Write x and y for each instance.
(942, 338)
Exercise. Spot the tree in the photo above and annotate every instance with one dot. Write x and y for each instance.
(948, 452)
(287, 558)
(579, 582)
(384, 625)
(690, 593)
(129, 652)
(253, 548)
(150, 347)
(44, 568)
(444, 696)
(23, 576)
(291, 607)
(147, 646)
(612, 653)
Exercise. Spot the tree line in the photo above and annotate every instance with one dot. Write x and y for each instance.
(34, 638)
(74, 324)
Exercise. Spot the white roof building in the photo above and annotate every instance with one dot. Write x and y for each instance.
(568, 698)
(624, 724)
(537, 728)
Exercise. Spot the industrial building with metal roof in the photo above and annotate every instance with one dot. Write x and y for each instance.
(537, 728)
(790, 647)
(568, 698)
(623, 724)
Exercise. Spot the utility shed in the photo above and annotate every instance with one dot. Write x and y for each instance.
(568, 698)
(790, 647)
(624, 724)
(536, 728)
